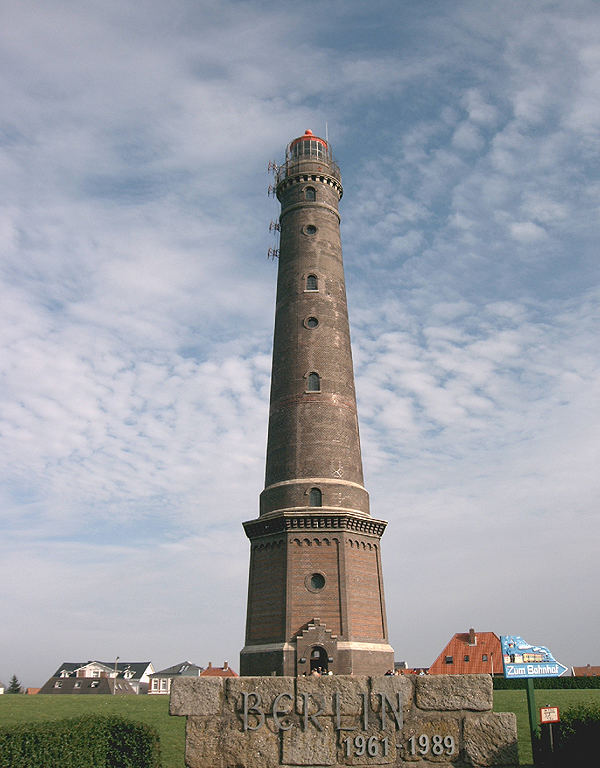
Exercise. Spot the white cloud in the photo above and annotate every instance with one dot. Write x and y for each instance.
(527, 231)
(138, 304)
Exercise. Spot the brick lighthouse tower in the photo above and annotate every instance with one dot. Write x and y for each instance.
(315, 593)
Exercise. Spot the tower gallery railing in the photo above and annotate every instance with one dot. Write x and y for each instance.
(310, 165)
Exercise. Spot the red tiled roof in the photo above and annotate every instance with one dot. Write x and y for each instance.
(224, 671)
(587, 671)
(471, 653)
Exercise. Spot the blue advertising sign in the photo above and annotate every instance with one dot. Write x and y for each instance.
(524, 660)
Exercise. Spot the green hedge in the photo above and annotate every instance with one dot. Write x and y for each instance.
(542, 683)
(575, 738)
(93, 741)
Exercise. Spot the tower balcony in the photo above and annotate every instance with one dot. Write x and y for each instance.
(308, 155)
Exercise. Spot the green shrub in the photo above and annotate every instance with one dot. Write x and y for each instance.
(577, 735)
(92, 741)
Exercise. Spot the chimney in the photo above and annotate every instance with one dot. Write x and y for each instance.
(210, 664)
(225, 665)
(472, 637)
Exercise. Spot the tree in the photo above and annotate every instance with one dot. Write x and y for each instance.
(14, 686)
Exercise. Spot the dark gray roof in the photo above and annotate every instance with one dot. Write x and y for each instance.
(137, 667)
(87, 685)
(183, 669)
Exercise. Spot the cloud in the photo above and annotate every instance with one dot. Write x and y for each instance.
(138, 306)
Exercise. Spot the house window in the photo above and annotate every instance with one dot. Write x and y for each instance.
(315, 498)
(466, 657)
(312, 284)
(484, 657)
(58, 684)
(310, 194)
(314, 382)
(449, 660)
(77, 684)
(164, 684)
(94, 683)
(155, 684)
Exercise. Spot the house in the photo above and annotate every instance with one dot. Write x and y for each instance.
(160, 682)
(1, 688)
(587, 671)
(470, 653)
(100, 677)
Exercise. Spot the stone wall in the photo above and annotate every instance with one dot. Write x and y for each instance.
(265, 722)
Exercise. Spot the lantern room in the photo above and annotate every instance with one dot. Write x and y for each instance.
(307, 146)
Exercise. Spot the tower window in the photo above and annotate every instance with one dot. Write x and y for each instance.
(317, 581)
(310, 194)
(312, 284)
(311, 322)
(314, 382)
(310, 229)
(315, 498)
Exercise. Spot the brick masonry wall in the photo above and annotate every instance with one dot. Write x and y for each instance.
(365, 599)
(266, 592)
(308, 556)
(409, 722)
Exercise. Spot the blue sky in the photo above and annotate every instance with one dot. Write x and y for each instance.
(137, 312)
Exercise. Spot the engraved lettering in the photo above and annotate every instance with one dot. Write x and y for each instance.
(277, 713)
(255, 709)
(365, 698)
(338, 714)
(397, 713)
(314, 716)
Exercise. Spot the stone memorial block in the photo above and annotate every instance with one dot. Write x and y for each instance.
(341, 720)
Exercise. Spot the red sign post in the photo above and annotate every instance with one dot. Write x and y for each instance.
(549, 715)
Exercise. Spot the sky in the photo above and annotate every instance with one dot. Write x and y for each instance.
(137, 312)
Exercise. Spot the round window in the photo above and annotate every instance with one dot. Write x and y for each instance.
(311, 322)
(310, 229)
(315, 582)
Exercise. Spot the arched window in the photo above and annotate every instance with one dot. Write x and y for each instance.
(315, 497)
(312, 284)
(314, 382)
(310, 194)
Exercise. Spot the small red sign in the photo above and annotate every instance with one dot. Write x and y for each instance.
(549, 715)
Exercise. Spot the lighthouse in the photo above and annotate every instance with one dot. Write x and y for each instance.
(315, 588)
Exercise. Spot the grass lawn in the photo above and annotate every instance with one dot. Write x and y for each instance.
(153, 710)
(516, 701)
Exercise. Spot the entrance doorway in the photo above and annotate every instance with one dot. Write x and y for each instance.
(318, 659)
